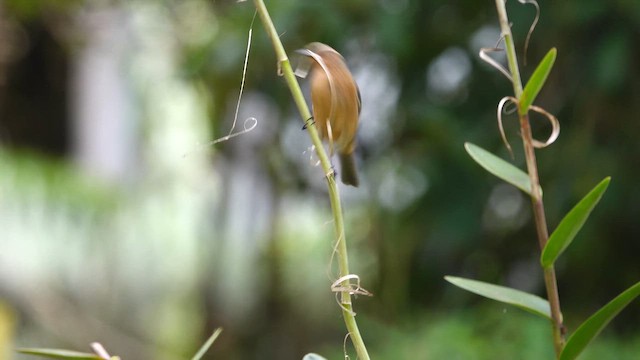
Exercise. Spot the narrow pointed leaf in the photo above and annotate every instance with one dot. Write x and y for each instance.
(499, 167)
(312, 356)
(536, 81)
(59, 354)
(205, 347)
(571, 224)
(598, 321)
(521, 299)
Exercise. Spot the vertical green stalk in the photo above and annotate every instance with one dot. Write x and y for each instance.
(284, 66)
(536, 193)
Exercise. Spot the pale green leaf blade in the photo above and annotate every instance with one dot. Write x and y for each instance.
(597, 322)
(571, 224)
(312, 356)
(521, 299)
(537, 80)
(499, 167)
(205, 347)
(59, 354)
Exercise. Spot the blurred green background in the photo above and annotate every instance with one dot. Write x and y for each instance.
(121, 223)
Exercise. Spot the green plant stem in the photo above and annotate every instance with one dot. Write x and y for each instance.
(543, 236)
(536, 193)
(284, 67)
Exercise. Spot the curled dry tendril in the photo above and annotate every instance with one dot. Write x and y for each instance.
(555, 127)
(532, 27)
(501, 105)
(343, 284)
(555, 124)
(510, 100)
(484, 55)
(250, 123)
(244, 76)
(344, 346)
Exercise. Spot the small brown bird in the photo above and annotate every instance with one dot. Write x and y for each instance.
(335, 98)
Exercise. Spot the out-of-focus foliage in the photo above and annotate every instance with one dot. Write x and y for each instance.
(595, 324)
(487, 332)
(236, 234)
(7, 329)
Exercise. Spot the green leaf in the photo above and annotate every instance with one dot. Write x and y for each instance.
(59, 354)
(205, 347)
(499, 167)
(571, 224)
(312, 356)
(594, 325)
(521, 299)
(536, 81)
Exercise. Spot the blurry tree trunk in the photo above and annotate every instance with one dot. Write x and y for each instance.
(103, 126)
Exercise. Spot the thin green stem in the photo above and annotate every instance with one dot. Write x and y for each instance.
(284, 66)
(510, 47)
(536, 192)
(543, 236)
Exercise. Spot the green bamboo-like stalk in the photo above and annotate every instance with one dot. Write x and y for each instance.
(284, 66)
(536, 193)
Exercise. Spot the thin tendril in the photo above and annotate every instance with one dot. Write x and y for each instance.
(251, 122)
(501, 106)
(555, 126)
(244, 73)
(532, 27)
(344, 346)
(484, 55)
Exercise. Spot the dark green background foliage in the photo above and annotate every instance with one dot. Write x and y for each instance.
(449, 224)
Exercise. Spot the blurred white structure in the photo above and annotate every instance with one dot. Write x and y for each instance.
(102, 101)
